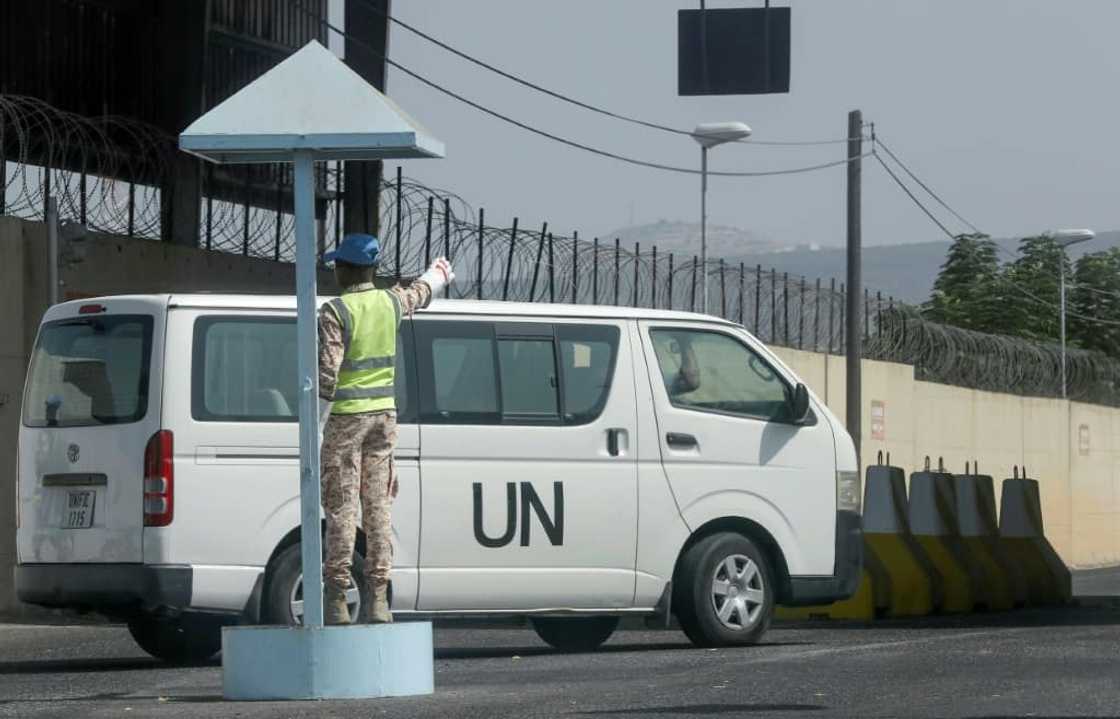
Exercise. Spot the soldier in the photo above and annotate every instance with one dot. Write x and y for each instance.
(357, 348)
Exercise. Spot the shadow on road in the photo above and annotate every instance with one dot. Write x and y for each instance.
(690, 709)
(504, 652)
(85, 665)
(1092, 614)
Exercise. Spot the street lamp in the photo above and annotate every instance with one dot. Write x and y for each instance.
(709, 135)
(1065, 238)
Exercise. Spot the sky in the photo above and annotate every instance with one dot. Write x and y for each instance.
(1007, 108)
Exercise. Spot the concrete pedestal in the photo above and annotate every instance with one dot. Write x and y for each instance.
(351, 662)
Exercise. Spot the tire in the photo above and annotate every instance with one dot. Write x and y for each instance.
(703, 575)
(283, 593)
(186, 639)
(575, 634)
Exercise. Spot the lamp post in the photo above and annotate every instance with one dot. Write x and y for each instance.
(709, 135)
(1065, 238)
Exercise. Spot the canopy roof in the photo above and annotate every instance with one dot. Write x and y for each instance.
(309, 102)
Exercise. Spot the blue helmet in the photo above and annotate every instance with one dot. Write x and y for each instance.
(356, 249)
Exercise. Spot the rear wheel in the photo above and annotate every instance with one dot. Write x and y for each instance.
(187, 639)
(725, 591)
(283, 600)
(575, 634)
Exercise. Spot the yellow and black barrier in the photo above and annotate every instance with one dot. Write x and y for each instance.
(996, 580)
(976, 513)
(1021, 534)
(933, 522)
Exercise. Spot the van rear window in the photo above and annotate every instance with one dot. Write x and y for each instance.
(89, 371)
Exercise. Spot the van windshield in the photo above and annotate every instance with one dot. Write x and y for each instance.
(89, 371)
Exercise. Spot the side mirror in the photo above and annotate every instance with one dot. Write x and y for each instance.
(799, 404)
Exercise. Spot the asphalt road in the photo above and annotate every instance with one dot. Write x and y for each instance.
(1029, 663)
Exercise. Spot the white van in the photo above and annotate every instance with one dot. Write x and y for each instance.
(570, 464)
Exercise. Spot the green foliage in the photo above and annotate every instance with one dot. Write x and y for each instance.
(1096, 293)
(1037, 274)
(968, 292)
(1022, 299)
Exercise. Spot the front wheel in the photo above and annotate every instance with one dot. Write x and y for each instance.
(725, 591)
(185, 639)
(575, 634)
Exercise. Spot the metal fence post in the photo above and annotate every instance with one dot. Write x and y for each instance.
(447, 238)
(843, 311)
(481, 238)
(397, 249)
(785, 308)
(653, 284)
(338, 196)
(866, 315)
(742, 288)
(692, 295)
(537, 264)
(637, 266)
(722, 290)
(617, 267)
(757, 299)
(773, 306)
(817, 318)
(551, 271)
(575, 267)
(595, 273)
(209, 206)
(246, 210)
(46, 190)
(831, 312)
(82, 199)
(669, 289)
(280, 221)
(878, 312)
(509, 260)
(801, 316)
(428, 233)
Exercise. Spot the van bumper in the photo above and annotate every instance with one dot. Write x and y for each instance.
(104, 587)
(808, 591)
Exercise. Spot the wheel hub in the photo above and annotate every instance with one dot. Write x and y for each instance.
(737, 592)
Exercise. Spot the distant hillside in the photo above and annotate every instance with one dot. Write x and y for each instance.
(905, 272)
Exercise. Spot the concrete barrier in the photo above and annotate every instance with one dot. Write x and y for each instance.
(1021, 534)
(976, 510)
(934, 525)
(976, 520)
(869, 601)
(914, 583)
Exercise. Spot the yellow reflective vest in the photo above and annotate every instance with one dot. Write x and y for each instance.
(369, 320)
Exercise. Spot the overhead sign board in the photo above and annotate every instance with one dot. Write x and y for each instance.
(733, 51)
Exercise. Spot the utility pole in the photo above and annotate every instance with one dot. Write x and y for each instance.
(855, 291)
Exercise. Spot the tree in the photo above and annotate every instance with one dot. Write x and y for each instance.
(968, 291)
(1032, 310)
(1095, 292)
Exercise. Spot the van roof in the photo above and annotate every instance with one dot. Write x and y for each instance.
(439, 306)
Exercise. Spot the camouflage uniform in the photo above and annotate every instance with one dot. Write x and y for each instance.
(357, 461)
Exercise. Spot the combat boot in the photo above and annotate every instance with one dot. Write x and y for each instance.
(376, 610)
(335, 611)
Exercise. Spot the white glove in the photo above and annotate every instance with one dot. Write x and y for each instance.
(438, 276)
(324, 415)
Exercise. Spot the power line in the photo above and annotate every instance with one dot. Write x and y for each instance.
(571, 100)
(912, 196)
(923, 185)
(558, 138)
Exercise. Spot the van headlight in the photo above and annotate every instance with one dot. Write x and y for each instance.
(848, 494)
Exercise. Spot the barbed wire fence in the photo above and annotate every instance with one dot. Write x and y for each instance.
(86, 157)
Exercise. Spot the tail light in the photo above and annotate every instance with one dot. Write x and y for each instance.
(159, 480)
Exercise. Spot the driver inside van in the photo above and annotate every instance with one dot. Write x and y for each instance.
(678, 353)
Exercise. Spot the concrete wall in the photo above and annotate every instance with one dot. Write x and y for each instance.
(111, 265)
(1072, 449)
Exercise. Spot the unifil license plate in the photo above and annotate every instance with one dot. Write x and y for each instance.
(78, 513)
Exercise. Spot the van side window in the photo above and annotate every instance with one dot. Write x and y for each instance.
(244, 369)
(713, 372)
(478, 372)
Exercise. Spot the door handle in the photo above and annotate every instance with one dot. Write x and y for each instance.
(612, 441)
(679, 440)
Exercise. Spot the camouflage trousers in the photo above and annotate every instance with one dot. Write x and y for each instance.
(357, 471)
